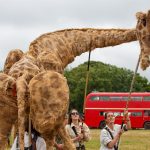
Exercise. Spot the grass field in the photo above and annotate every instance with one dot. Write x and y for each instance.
(131, 140)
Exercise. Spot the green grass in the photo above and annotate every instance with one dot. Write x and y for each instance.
(131, 140)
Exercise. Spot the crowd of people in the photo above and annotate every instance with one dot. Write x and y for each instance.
(79, 133)
(76, 129)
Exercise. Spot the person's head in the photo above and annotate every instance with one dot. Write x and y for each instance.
(73, 116)
(109, 117)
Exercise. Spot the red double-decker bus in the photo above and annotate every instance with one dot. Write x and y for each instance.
(97, 103)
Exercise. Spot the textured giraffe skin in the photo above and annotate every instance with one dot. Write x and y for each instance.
(32, 83)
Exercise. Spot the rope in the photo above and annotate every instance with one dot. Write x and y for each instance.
(133, 78)
(132, 83)
(87, 79)
(131, 87)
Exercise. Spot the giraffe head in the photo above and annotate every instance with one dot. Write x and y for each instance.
(143, 35)
(13, 56)
(7, 85)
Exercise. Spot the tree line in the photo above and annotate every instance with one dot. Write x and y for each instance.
(103, 78)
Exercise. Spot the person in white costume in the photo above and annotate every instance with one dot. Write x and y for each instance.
(37, 142)
(111, 133)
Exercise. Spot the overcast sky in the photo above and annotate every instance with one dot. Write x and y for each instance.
(21, 21)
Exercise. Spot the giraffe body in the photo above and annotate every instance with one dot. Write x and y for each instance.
(33, 83)
(48, 91)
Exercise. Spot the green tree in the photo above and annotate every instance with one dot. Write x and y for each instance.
(102, 77)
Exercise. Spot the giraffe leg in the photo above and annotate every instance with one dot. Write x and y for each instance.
(68, 144)
(3, 142)
(8, 108)
(8, 115)
(22, 101)
(14, 130)
(49, 141)
(49, 98)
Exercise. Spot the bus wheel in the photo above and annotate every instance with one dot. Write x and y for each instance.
(102, 124)
(147, 125)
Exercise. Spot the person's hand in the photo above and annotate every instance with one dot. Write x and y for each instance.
(120, 132)
(79, 137)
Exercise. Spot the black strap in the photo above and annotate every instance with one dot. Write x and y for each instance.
(115, 147)
(74, 129)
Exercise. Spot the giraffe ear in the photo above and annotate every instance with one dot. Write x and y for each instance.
(148, 21)
(140, 15)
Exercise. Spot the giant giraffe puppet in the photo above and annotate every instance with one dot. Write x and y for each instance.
(33, 82)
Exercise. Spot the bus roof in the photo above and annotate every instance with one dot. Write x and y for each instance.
(119, 93)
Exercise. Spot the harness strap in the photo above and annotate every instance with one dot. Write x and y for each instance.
(115, 147)
(75, 131)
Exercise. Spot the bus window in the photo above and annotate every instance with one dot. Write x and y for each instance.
(136, 98)
(115, 98)
(136, 113)
(104, 98)
(122, 114)
(125, 98)
(133, 98)
(117, 114)
(146, 112)
(94, 98)
(101, 113)
(146, 98)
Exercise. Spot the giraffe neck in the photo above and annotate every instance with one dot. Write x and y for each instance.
(65, 45)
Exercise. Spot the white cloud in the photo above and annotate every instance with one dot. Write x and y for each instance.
(24, 20)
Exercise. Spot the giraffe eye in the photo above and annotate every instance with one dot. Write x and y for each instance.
(144, 22)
